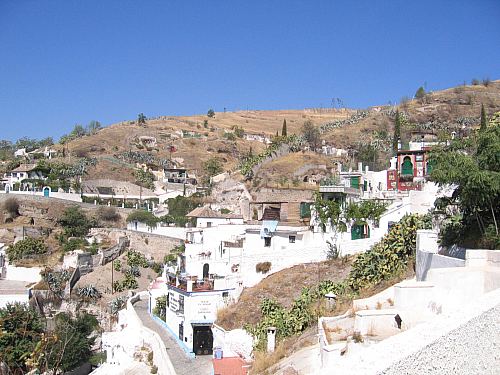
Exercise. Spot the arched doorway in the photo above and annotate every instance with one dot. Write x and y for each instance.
(206, 269)
(407, 166)
(46, 191)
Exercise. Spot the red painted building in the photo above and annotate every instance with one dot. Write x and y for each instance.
(412, 169)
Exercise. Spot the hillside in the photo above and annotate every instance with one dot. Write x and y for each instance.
(439, 112)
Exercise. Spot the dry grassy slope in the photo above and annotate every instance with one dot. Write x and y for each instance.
(122, 137)
(283, 286)
(442, 105)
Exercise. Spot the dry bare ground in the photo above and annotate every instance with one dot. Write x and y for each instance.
(283, 286)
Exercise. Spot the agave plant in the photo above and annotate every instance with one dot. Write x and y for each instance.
(89, 292)
(117, 304)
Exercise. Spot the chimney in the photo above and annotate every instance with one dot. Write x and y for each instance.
(271, 339)
(360, 167)
(189, 286)
(399, 144)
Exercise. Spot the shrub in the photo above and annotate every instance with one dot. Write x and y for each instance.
(74, 222)
(108, 213)
(11, 205)
(357, 337)
(89, 292)
(136, 259)
(26, 248)
(74, 244)
(143, 217)
(263, 267)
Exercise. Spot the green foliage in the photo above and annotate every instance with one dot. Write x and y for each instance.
(178, 208)
(329, 212)
(56, 281)
(136, 259)
(476, 193)
(389, 257)
(74, 222)
(89, 292)
(211, 113)
(117, 304)
(230, 136)
(117, 265)
(212, 167)
(142, 216)
(20, 329)
(398, 122)
(160, 309)
(283, 129)
(26, 248)
(68, 346)
(360, 212)
(141, 119)
(420, 94)
(311, 134)
(144, 178)
(384, 260)
(74, 244)
(484, 118)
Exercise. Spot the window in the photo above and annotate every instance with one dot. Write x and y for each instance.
(209, 224)
(407, 166)
(267, 241)
(291, 239)
(225, 294)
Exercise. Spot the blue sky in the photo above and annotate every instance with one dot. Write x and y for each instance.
(67, 62)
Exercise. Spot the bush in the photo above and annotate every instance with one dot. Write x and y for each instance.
(108, 213)
(74, 222)
(263, 267)
(26, 248)
(74, 244)
(11, 205)
(143, 217)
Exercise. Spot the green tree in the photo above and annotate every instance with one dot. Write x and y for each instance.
(397, 132)
(212, 167)
(420, 94)
(78, 131)
(283, 129)
(20, 330)
(211, 113)
(67, 346)
(93, 127)
(143, 217)
(311, 134)
(74, 222)
(476, 193)
(141, 119)
(27, 247)
(484, 119)
(144, 178)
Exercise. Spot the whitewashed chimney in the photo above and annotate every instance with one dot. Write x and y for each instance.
(271, 339)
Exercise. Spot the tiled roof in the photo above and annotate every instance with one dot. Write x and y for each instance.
(207, 212)
(230, 366)
(24, 168)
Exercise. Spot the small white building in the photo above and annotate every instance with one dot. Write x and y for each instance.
(18, 175)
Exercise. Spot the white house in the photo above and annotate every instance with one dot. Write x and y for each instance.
(20, 174)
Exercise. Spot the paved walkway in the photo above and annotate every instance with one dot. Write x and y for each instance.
(183, 365)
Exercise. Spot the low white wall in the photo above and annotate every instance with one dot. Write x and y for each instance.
(160, 357)
(376, 322)
(174, 232)
(426, 261)
(466, 342)
(66, 196)
(384, 297)
(12, 298)
(234, 343)
(31, 275)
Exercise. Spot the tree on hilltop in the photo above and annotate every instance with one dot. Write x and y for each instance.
(283, 129)
(420, 94)
(484, 119)
(141, 119)
(211, 113)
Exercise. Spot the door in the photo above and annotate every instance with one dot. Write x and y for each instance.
(181, 332)
(206, 269)
(203, 340)
(46, 192)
